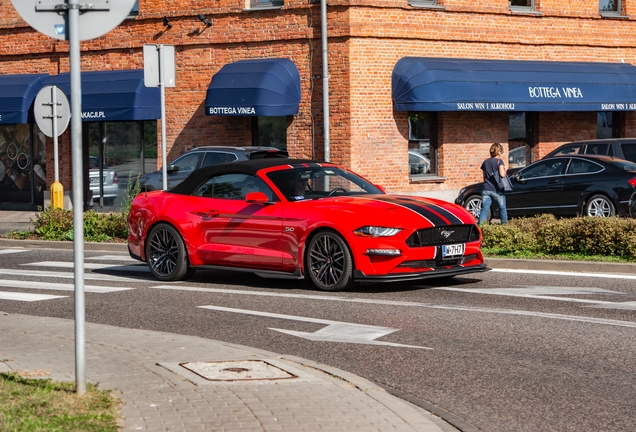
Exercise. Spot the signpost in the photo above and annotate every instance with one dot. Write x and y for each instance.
(159, 71)
(52, 113)
(61, 19)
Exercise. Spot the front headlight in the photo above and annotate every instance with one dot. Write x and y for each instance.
(374, 231)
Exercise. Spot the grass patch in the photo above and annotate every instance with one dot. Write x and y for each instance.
(503, 253)
(45, 405)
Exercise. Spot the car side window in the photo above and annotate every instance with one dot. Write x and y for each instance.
(215, 158)
(597, 149)
(233, 186)
(544, 168)
(629, 151)
(569, 150)
(188, 162)
(582, 166)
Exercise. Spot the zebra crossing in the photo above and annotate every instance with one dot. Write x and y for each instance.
(53, 280)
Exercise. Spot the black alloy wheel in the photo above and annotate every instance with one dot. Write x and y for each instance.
(166, 254)
(329, 262)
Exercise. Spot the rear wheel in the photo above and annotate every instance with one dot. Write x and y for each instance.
(599, 206)
(329, 262)
(166, 254)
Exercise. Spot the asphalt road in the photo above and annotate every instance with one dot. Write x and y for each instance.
(503, 351)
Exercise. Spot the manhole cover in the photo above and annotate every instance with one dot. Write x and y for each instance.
(237, 370)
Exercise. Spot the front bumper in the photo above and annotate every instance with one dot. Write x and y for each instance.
(428, 274)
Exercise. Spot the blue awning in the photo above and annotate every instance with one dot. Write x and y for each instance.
(17, 93)
(264, 87)
(113, 95)
(436, 84)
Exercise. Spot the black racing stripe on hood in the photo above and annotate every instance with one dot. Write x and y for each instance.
(452, 218)
(431, 216)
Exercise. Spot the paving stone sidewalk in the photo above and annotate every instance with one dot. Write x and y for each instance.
(146, 371)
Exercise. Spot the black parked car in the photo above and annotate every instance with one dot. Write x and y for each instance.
(567, 186)
(621, 148)
(201, 157)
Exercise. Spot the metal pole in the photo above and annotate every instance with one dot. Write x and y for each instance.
(78, 195)
(55, 158)
(325, 77)
(164, 163)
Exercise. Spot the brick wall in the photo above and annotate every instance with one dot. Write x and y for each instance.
(366, 39)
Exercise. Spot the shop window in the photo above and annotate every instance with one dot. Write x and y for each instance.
(519, 139)
(22, 166)
(260, 4)
(607, 125)
(609, 7)
(120, 151)
(521, 5)
(422, 143)
(269, 132)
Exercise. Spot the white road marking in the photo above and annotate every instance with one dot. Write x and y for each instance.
(27, 296)
(567, 273)
(123, 258)
(544, 293)
(91, 266)
(59, 286)
(410, 304)
(9, 251)
(335, 331)
(69, 275)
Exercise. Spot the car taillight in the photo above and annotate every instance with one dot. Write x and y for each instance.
(115, 179)
(632, 182)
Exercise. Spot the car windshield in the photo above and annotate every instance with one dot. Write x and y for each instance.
(307, 183)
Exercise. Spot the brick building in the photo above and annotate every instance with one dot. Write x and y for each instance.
(404, 110)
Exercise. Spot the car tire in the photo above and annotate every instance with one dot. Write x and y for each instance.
(328, 262)
(473, 205)
(599, 206)
(166, 254)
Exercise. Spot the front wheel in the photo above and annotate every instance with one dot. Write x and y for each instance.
(329, 262)
(166, 254)
(599, 206)
(473, 205)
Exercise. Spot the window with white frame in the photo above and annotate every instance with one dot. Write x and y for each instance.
(521, 5)
(609, 6)
(258, 4)
(422, 143)
(423, 2)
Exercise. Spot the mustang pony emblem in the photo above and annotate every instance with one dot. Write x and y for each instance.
(446, 233)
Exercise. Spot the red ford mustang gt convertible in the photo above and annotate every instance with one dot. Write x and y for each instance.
(300, 218)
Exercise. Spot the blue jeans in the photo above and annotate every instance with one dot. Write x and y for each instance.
(486, 201)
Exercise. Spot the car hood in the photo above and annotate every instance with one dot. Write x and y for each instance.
(395, 210)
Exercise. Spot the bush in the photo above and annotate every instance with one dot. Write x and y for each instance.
(57, 224)
(545, 234)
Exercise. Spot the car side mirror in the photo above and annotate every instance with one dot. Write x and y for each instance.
(172, 168)
(257, 198)
(518, 178)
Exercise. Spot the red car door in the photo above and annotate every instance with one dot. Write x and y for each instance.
(236, 233)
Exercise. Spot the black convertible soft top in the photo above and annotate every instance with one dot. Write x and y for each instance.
(251, 167)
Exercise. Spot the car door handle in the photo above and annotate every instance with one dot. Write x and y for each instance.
(553, 181)
(209, 214)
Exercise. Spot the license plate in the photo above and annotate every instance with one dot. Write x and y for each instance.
(454, 250)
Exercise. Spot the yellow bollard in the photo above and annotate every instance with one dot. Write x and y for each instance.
(57, 195)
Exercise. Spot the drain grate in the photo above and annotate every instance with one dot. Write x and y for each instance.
(237, 370)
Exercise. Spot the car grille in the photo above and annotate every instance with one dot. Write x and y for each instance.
(443, 235)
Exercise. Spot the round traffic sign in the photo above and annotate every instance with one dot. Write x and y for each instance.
(96, 19)
(43, 110)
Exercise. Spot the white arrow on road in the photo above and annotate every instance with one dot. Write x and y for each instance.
(335, 331)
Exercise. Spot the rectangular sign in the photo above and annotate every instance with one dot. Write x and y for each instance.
(153, 62)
